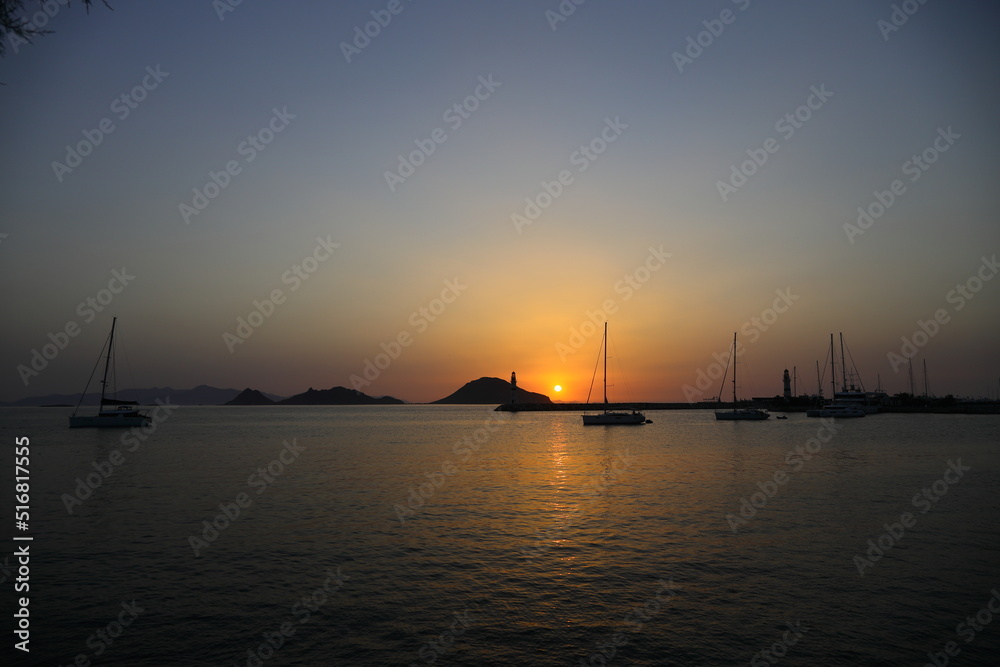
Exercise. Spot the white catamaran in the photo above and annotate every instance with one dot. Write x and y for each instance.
(118, 413)
(610, 416)
(745, 414)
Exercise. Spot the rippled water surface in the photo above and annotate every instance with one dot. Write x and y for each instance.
(458, 536)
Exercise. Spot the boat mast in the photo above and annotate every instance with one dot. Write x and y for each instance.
(605, 366)
(107, 360)
(926, 393)
(833, 369)
(734, 370)
(843, 362)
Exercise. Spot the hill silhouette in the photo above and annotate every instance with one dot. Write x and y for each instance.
(491, 390)
(250, 397)
(338, 396)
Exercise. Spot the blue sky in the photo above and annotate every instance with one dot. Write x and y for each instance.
(890, 95)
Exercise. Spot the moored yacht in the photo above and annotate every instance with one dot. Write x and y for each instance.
(117, 413)
(836, 410)
(738, 414)
(610, 417)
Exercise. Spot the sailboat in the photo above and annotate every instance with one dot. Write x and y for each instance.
(743, 414)
(843, 404)
(610, 416)
(118, 413)
(850, 394)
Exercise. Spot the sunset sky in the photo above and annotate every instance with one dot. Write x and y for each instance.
(407, 167)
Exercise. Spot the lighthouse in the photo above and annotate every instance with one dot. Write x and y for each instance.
(513, 388)
(788, 386)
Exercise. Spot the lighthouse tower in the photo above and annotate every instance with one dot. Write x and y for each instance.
(513, 388)
(788, 386)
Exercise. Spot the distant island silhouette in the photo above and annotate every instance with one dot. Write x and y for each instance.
(338, 396)
(490, 390)
(485, 390)
(250, 397)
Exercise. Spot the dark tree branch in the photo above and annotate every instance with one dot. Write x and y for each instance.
(17, 22)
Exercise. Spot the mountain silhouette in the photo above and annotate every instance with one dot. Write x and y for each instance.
(491, 390)
(250, 397)
(338, 396)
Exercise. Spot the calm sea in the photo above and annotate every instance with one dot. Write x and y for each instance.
(418, 535)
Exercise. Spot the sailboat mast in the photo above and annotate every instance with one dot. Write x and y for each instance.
(833, 369)
(107, 360)
(734, 370)
(605, 364)
(843, 362)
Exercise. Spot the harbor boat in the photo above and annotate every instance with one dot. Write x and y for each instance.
(850, 393)
(836, 410)
(848, 402)
(111, 413)
(738, 414)
(609, 417)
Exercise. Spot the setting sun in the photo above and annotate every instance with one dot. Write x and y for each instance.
(558, 387)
